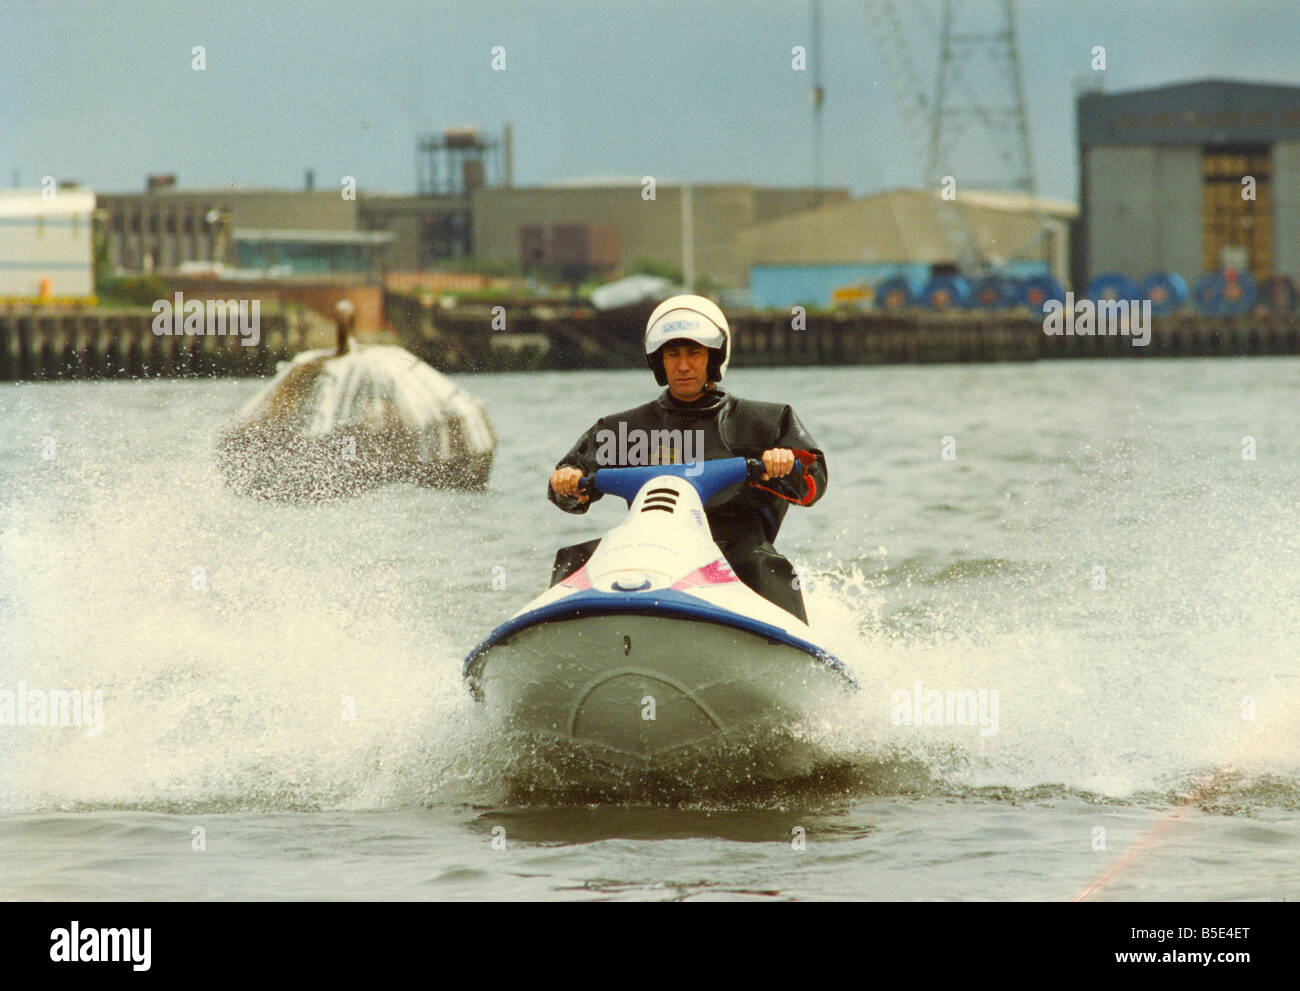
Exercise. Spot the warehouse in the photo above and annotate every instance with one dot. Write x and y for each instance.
(1189, 178)
(617, 224)
(810, 257)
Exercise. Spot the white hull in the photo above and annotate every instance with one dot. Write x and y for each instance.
(648, 692)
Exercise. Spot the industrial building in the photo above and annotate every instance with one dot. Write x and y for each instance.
(807, 257)
(424, 231)
(786, 245)
(293, 232)
(311, 231)
(46, 244)
(1189, 178)
(771, 245)
(515, 225)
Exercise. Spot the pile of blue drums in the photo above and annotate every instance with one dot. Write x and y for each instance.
(1229, 292)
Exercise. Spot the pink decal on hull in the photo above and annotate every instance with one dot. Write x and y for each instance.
(579, 579)
(715, 573)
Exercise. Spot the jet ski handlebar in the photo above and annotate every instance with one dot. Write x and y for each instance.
(707, 477)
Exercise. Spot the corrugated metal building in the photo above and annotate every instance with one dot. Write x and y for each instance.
(647, 229)
(803, 258)
(1161, 180)
(46, 244)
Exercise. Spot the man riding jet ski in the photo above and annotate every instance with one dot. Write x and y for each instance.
(688, 347)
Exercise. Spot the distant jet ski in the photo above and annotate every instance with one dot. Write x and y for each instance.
(654, 653)
(333, 424)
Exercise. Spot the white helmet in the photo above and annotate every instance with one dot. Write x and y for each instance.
(691, 318)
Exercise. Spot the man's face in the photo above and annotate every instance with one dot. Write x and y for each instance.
(686, 365)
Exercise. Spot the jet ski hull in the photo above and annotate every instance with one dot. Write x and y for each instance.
(650, 681)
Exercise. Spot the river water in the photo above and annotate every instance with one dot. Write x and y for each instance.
(1111, 546)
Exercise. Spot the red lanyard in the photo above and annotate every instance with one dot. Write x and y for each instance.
(808, 459)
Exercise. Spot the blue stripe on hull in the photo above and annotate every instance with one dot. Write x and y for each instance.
(669, 603)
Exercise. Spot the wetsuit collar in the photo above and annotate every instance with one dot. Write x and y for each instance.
(709, 399)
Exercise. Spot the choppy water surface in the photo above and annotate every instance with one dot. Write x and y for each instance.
(1148, 721)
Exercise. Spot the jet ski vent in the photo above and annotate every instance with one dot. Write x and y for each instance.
(661, 499)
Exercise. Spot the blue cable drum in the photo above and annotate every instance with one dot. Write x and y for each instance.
(1225, 293)
(994, 292)
(898, 292)
(1036, 290)
(1113, 286)
(1209, 293)
(1166, 290)
(1279, 294)
(1239, 292)
(943, 292)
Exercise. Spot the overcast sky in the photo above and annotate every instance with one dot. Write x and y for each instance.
(102, 91)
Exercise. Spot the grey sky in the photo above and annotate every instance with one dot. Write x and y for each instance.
(103, 92)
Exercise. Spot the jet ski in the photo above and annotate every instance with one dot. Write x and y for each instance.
(654, 654)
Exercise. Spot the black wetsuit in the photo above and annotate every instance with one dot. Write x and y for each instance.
(744, 520)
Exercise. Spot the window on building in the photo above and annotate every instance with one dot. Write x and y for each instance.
(1237, 207)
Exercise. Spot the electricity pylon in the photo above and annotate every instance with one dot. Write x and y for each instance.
(977, 82)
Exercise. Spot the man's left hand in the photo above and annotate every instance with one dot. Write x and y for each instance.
(778, 462)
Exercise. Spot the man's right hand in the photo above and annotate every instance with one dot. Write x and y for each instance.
(564, 481)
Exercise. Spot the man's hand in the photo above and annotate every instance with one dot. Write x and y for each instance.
(778, 462)
(564, 481)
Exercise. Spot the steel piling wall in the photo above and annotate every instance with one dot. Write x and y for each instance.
(40, 344)
(88, 344)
